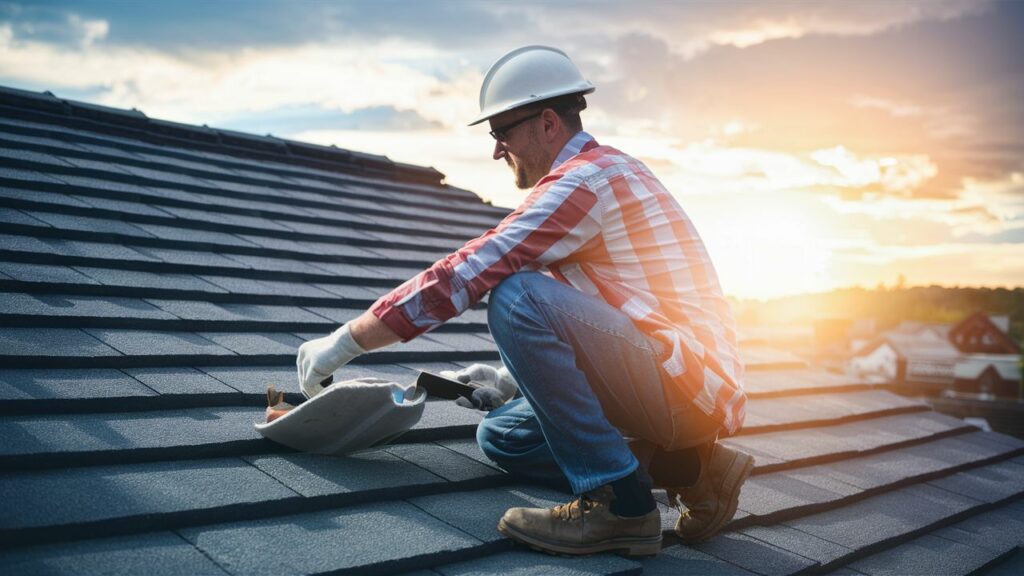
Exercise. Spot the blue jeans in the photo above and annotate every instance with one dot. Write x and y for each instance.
(588, 376)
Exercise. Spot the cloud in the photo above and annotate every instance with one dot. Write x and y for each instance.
(52, 26)
(982, 208)
(297, 119)
(951, 264)
(207, 87)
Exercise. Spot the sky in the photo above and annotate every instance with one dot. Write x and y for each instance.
(815, 145)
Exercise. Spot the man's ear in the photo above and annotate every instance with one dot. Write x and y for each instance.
(551, 124)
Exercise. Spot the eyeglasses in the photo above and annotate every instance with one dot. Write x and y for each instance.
(501, 134)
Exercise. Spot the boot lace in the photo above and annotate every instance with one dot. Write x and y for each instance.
(574, 509)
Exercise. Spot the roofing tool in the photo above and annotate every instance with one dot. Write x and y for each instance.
(346, 416)
(442, 387)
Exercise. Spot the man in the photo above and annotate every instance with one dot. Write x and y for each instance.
(607, 312)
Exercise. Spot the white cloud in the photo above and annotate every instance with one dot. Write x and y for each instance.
(980, 207)
(88, 31)
(202, 87)
(943, 122)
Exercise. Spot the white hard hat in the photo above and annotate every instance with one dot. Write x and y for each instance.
(526, 75)
(348, 416)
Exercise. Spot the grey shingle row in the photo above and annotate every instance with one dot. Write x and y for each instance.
(774, 413)
(134, 257)
(835, 537)
(174, 494)
(789, 382)
(172, 214)
(347, 481)
(792, 449)
(44, 137)
(66, 439)
(90, 280)
(119, 348)
(67, 310)
(778, 496)
(991, 540)
(58, 440)
(287, 197)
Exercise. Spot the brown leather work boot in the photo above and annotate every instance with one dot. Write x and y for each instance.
(711, 502)
(584, 526)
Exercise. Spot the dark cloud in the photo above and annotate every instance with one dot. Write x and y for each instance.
(191, 25)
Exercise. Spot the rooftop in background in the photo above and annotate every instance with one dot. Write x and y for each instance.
(155, 277)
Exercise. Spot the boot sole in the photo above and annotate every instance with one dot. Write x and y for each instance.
(739, 470)
(627, 546)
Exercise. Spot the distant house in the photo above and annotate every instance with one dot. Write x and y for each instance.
(912, 352)
(981, 334)
(974, 356)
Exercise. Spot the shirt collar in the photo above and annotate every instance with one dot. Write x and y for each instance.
(573, 147)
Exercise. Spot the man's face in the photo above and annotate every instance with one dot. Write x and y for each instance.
(519, 145)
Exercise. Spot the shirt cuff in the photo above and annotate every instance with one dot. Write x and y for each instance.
(393, 317)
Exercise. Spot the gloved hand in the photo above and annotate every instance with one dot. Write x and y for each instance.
(494, 386)
(318, 359)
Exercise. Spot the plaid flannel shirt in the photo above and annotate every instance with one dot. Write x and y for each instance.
(601, 222)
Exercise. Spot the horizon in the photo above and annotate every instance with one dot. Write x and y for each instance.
(816, 147)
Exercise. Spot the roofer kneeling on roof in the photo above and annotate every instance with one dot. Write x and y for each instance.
(607, 311)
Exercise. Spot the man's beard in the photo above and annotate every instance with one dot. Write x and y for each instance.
(521, 169)
(522, 180)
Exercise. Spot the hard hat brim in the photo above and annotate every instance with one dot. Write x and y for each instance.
(505, 107)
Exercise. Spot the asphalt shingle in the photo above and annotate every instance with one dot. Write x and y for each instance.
(148, 343)
(884, 517)
(676, 559)
(781, 449)
(94, 500)
(211, 311)
(72, 439)
(447, 464)
(159, 554)
(45, 273)
(925, 556)
(766, 414)
(53, 343)
(181, 381)
(143, 279)
(520, 563)
(373, 471)
(477, 512)
(38, 307)
(393, 534)
(782, 491)
(52, 384)
(754, 555)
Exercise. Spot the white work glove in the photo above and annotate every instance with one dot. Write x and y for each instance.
(494, 386)
(318, 359)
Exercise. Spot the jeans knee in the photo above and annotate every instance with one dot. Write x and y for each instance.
(489, 434)
(505, 294)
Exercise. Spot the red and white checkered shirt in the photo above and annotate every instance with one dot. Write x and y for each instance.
(602, 222)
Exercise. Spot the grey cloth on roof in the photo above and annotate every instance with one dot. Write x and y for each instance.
(494, 386)
(348, 416)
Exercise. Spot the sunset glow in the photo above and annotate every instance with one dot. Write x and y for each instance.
(814, 145)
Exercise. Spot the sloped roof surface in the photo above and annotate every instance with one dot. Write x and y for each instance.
(156, 277)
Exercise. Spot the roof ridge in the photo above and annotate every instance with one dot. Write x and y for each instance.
(136, 124)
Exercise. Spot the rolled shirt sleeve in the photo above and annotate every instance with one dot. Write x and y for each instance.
(561, 215)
